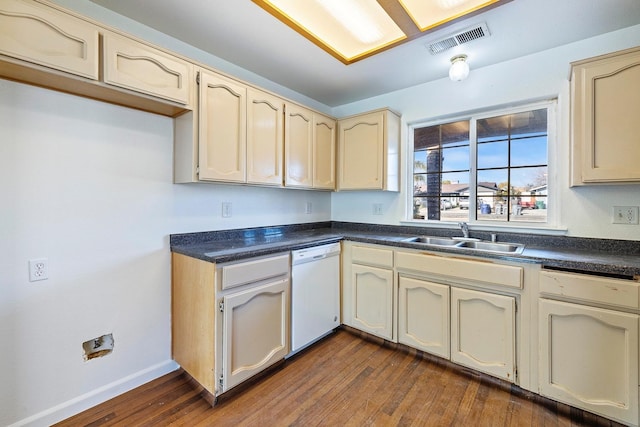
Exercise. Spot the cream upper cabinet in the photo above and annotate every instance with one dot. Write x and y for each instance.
(483, 332)
(298, 147)
(132, 65)
(324, 152)
(42, 35)
(423, 315)
(222, 129)
(605, 125)
(369, 152)
(265, 138)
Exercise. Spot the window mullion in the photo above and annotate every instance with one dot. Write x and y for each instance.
(473, 170)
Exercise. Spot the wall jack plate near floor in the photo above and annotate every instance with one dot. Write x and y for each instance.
(625, 215)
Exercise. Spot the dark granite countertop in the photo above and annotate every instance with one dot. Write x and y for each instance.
(599, 256)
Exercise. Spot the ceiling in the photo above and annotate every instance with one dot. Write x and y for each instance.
(241, 32)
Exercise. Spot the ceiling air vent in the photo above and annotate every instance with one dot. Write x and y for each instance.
(464, 36)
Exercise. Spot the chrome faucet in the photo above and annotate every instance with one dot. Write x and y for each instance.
(465, 229)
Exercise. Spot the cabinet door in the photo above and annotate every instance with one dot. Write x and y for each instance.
(606, 107)
(361, 141)
(423, 315)
(42, 35)
(222, 137)
(483, 332)
(298, 147)
(133, 65)
(324, 152)
(372, 299)
(265, 138)
(256, 331)
(589, 358)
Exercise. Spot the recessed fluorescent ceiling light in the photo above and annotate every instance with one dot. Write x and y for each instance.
(430, 14)
(347, 28)
(351, 30)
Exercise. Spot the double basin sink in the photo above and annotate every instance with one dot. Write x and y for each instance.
(468, 243)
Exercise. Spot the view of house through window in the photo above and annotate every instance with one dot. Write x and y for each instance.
(482, 169)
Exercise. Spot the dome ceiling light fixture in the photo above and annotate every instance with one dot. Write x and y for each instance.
(351, 30)
(459, 69)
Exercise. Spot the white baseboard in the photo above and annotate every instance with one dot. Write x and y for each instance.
(102, 394)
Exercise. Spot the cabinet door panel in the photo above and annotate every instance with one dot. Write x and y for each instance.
(132, 65)
(423, 315)
(324, 152)
(605, 119)
(222, 130)
(483, 332)
(265, 138)
(361, 152)
(373, 300)
(42, 35)
(589, 358)
(256, 329)
(299, 147)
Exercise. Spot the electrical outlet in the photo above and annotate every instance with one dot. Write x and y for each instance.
(377, 208)
(625, 215)
(226, 209)
(308, 208)
(38, 269)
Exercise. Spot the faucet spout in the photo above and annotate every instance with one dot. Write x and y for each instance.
(465, 229)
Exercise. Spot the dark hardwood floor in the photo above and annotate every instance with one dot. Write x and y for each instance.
(343, 380)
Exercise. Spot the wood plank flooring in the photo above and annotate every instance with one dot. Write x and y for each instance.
(343, 380)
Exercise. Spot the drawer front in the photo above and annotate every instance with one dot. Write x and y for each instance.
(583, 287)
(478, 271)
(372, 256)
(132, 65)
(255, 270)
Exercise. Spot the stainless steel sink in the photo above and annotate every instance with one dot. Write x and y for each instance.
(473, 244)
(436, 241)
(492, 247)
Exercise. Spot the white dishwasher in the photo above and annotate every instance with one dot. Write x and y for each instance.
(315, 294)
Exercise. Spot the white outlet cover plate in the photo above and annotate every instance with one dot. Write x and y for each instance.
(625, 215)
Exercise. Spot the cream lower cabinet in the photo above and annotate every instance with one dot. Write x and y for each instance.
(256, 332)
(423, 315)
(483, 332)
(589, 358)
(230, 321)
(372, 296)
(368, 289)
(589, 354)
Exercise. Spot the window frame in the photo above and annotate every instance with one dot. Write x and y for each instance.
(473, 116)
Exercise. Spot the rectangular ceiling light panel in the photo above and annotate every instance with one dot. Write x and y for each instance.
(428, 14)
(348, 29)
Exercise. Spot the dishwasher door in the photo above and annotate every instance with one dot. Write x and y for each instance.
(315, 294)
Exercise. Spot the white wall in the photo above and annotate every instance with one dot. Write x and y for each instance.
(88, 186)
(584, 212)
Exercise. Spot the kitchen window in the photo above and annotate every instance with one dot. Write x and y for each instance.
(487, 168)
